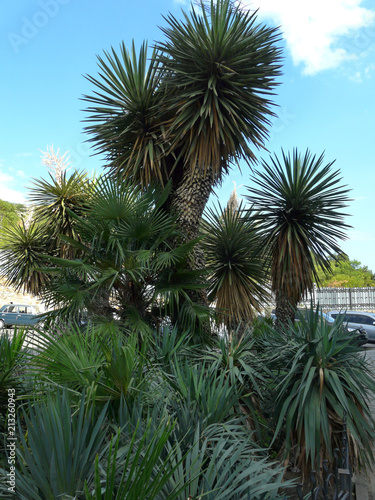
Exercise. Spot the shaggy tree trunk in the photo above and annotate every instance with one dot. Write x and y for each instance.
(285, 310)
(188, 201)
(100, 305)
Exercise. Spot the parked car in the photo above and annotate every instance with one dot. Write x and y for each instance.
(302, 311)
(356, 319)
(362, 336)
(19, 315)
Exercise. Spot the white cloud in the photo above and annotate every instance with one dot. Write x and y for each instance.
(7, 193)
(357, 77)
(369, 70)
(316, 32)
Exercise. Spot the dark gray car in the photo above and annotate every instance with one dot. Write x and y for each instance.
(355, 319)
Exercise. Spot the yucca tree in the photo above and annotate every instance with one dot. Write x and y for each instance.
(51, 217)
(238, 278)
(20, 256)
(197, 106)
(54, 201)
(324, 381)
(297, 203)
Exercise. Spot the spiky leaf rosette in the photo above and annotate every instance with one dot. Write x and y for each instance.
(297, 202)
(200, 100)
(238, 279)
(54, 201)
(21, 257)
(220, 67)
(126, 121)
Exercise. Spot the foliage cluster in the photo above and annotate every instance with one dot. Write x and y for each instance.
(103, 414)
(346, 273)
(152, 378)
(10, 213)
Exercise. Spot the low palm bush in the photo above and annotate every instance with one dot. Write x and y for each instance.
(235, 357)
(207, 450)
(13, 357)
(57, 447)
(105, 361)
(323, 380)
(112, 418)
(137, 470)
(13, 374)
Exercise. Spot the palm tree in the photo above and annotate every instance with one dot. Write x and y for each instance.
(200, 104)
(297, 204)
(125, 264)
(238, 277)
(55, 203)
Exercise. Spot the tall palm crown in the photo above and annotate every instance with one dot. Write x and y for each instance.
(298, 203)
(196, 105)
(55, 200)
(238, 280)
(219, 68)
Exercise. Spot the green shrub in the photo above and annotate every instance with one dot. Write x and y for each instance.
(323, 380)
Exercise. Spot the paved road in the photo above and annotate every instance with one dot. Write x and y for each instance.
(370, 356)
(370, 352)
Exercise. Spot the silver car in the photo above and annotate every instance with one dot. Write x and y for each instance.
(355, 319)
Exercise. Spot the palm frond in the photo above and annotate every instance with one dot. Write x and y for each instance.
(297, 202)
(126, 120)
(238, 281)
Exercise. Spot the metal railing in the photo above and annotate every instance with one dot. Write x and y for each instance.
(342, 298)
(336, 485)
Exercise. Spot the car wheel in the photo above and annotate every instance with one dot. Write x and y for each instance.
(2, 324)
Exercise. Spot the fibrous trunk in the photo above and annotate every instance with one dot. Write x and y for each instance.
(285, 310)
(188, 201)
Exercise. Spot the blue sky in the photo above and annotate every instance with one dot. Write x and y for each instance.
(326, 97)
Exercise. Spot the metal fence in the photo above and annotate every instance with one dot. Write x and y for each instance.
(342, 298)
(337, 484)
